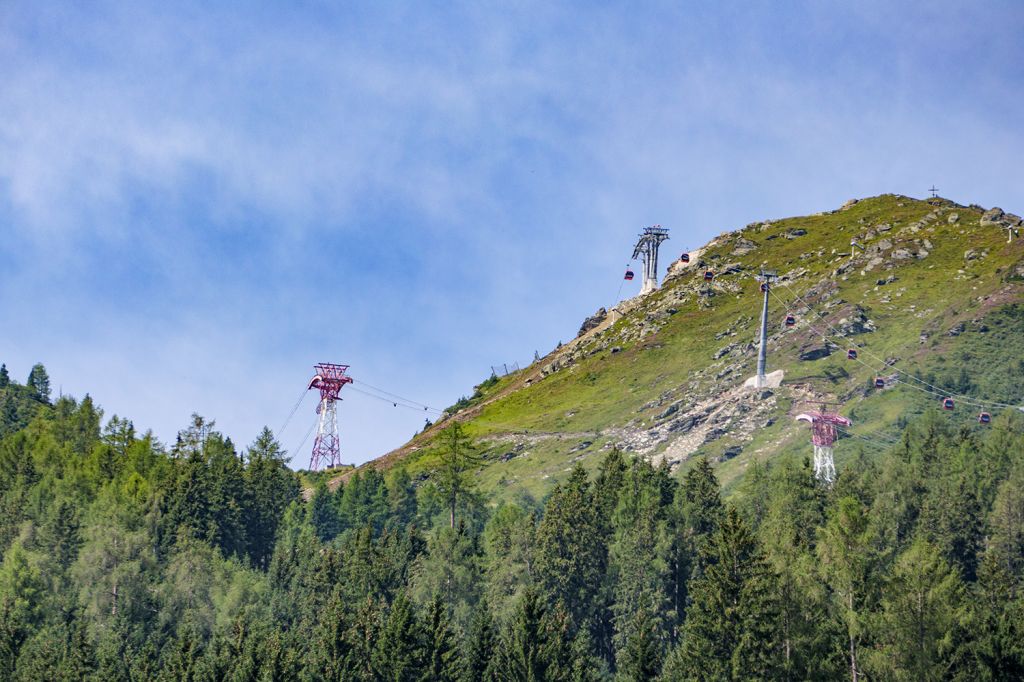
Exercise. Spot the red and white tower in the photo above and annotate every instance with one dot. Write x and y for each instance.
(329, 380)
(824, 436)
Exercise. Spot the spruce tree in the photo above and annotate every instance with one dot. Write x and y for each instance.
(5, 378)
(441, 662)
(921, 626)
(571, 556)
(731, 628)
(480, 650)
(999, 624)
(39, 383)
(323, 513)
(398, 652)
(848, 561)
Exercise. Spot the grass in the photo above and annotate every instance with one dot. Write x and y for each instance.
(602, 389)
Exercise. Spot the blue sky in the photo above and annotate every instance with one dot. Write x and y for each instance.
(198, 204)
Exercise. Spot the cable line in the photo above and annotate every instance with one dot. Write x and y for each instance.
(291, 414)
(941, 391)
(398, 403)
(397, 397)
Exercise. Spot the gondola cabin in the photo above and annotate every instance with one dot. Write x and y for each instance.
(685, 258)
(790, 320)
(851, 354)
(764, 287)
(947, 403)
(879, 382)
(629, 274)
(708, 275)
(984, 418)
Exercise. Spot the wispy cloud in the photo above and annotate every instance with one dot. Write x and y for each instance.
(199, 202)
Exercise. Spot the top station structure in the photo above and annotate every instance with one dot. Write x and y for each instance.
(647, 250)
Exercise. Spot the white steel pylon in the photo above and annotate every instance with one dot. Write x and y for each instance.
(647, 249)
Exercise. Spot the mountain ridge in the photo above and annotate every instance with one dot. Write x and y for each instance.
(605, 388)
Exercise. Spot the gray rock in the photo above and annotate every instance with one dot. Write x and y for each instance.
(793, 234)
(722, 352)
(993, 216)
(953, 217)
(957, 329)
(970, 254)
(902, 254)
(884, 227)
(731, 452)
(815, 353)
(686, 424)
(669, 411)
(743, 247)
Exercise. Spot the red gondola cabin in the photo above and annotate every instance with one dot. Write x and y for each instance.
(947, 403)
(984, 418)
(879, 382)
(708, 275)
(685, 258)
(851, 354)
(629, 274)
(790, 320)
(764, 287)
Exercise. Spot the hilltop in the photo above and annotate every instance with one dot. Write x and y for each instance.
(932, 291)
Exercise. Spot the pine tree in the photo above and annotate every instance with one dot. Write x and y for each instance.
(323, 513)
(848, 564)
(525, 651)
(270, 487)
(481, 646)
(639, 567)
(731, 628)
(571, 557)
(398, 652)
(921, 624)
(457, 457)
(999, 625)
(5, 378)
(39, 383)
(441, 661)
(642, 655)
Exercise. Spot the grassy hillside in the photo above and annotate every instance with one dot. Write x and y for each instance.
(932, 293)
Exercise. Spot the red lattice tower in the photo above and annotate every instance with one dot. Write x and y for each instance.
(329, 380)
(823, 436)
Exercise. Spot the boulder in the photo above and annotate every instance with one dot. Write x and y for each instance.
(743, 247)
(953, 217)
(902, 254)
(993, 216)
(793, 234)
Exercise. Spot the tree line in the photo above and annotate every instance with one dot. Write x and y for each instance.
(127, 559)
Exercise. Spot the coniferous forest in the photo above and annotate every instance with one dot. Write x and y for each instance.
(124, 558)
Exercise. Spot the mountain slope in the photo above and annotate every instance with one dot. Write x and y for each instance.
(929, 301)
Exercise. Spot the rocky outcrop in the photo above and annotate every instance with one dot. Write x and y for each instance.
(593, 321)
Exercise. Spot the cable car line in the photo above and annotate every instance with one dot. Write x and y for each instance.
(944, 393)
(879, 382)
(398, 403)
(397, 397)
(306, 437)
(302, 396)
